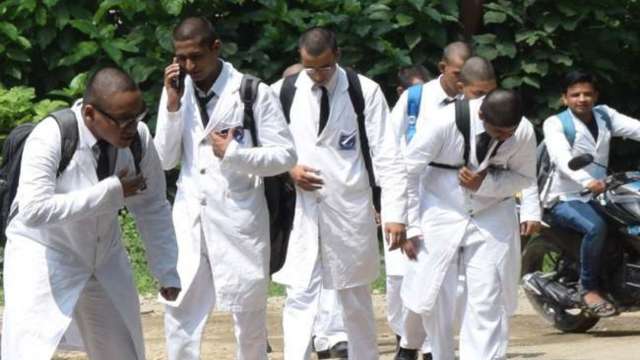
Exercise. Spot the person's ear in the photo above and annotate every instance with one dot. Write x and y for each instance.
(442, 66)
(459, 87)
(564, 100)
(89, 112)
(216, 45)
(338, 55)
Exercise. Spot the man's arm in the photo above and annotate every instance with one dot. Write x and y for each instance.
(276, 153)
(386, 156)
(152, 213)
(39, 204)
(521, 167)
(168, 139)
(622, 125)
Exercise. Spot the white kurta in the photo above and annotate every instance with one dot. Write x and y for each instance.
(444, 209)
(67, 231)
(566, 184)
(224, 199)
(337, 221)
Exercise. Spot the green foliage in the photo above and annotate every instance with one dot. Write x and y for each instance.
(17, 106)
(144, 280)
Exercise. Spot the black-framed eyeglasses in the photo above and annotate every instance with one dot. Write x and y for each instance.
(124, 123)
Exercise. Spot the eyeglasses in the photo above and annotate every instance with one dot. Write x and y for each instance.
(322, 69)
(124, 123)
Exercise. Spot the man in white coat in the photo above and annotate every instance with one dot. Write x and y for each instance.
(593, 127)
(468, 224)
(64, 258)
(333, 243)
(220, 212)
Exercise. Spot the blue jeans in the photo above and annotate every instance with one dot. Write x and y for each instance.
(585, 219)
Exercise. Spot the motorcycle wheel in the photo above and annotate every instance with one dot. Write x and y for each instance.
(542, 255)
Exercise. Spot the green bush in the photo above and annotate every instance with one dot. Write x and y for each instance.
(144, 280)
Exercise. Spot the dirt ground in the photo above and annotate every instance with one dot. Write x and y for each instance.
(531, 338)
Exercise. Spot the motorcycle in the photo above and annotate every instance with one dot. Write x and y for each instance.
(551, 261)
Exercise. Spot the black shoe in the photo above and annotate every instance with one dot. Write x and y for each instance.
(406, 354)
(269, 349)
(337, 351)
(427, 356)
(398, 339)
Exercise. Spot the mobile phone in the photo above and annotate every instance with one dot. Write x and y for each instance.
(178, 81)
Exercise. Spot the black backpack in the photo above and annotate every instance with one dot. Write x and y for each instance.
(12, 158)
(287, 93)
(463, 123)
(279, 190)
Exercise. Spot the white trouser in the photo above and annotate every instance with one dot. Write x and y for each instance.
(103, 331)
(328, 328)
(403, 321)
(484, 330)
(184, 324)
(301, 308)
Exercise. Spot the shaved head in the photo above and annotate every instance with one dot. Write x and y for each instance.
(105, 83)
(456, 51)
(317, 40)
(477, 69)
(502, 108)
(195, 28)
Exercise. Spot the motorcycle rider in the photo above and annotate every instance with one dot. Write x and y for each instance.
(584, 128)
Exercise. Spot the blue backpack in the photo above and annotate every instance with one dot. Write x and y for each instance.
(543, 163)
(413, 109)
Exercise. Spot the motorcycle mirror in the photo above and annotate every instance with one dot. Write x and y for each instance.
(580, 161)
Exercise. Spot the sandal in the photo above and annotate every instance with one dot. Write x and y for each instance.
(601, 309)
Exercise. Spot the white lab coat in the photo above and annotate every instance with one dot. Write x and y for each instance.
(566, 184)
(69, 225)
(337, 221)
(444, 209)
(224, 199)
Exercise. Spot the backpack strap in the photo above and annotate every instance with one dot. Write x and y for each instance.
(357, 100)
(568, 127)
(414, 95)
(248, 95)
(604, 115)
(463, 123)
(68, 124)
(287, 92)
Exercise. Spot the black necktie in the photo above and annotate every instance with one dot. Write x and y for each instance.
(447, 101)
(103, 160)
(202, 106)
(324, 109)
(482, 146)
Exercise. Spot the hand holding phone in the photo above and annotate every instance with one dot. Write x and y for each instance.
(174, 76)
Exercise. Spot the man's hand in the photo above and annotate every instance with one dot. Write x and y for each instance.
(171, 74)
(170, 293)
(131, 185)
(395, 234)
(410, 247)
(528, 228)
(596, 186)
(221, 142)
(471, 180)
(306, 177)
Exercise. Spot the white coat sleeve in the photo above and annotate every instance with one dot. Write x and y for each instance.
(168, 139)
(386, 156)
(425, 146)
(276, 153)
(622, 125)
(39, 204)
(152, 213)
(398, 118)
(521, 168)
(559, 151)
(530, 209)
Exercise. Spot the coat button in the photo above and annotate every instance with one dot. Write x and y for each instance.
(203, 202)
(203, 171)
